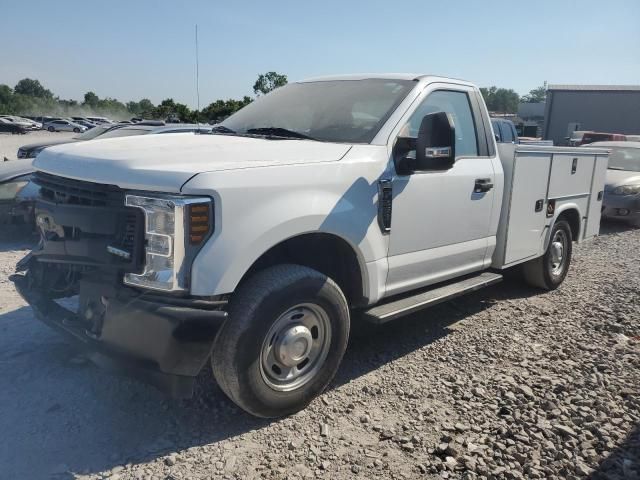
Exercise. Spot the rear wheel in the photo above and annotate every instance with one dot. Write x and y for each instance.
(284, 340)
(550, 270)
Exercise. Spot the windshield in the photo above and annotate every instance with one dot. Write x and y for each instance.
(93, 133)
(625, 158)
(350, 111)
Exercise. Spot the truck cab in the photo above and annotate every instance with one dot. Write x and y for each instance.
(251, 248)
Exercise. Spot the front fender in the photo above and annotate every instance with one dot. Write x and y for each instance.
(252, 219)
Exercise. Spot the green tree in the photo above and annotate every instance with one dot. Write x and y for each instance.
(536, 95)
(269, 81)
(221, 109)
(6, 98)
(501, 100)
(91, 100)
(32, 88)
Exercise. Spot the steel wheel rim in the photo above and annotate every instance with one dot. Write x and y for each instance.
(295, 347)
(558, 250)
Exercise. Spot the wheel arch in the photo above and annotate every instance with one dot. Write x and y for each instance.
(571, 213)
(325, 252)
(572, 216)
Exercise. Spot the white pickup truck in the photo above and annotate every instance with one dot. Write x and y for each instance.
(252, 247)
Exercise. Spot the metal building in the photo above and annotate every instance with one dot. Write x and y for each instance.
(601, 108)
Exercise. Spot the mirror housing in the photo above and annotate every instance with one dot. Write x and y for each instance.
(436, 142)
(434, 149)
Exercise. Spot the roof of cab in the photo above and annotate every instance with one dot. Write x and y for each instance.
(386, 76)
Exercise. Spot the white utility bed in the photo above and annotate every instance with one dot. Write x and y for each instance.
(540, 183)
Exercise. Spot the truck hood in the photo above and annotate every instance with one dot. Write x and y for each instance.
(165, 162)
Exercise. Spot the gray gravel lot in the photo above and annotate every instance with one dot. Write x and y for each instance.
(506, 383)
(9, 144)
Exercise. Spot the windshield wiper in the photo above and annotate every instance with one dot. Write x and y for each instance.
(222, 129)
(619, 168)
(278, 132)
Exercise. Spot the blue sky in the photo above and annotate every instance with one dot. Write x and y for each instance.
(134, 49)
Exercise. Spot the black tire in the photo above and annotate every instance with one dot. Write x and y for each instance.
(540, 272)
(51, 129)
(255, 308)
(76, 130)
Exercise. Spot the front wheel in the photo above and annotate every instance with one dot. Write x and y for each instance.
(51, 129)
(550, 270)
(284, 340)
(76, 130)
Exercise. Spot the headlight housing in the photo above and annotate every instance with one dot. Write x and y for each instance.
(9, 190)
(169, 239)
(626, 190)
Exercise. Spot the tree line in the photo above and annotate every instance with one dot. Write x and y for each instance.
(30, 97)
(503, 100)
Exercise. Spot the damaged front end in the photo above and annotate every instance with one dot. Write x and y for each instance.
(111, 271)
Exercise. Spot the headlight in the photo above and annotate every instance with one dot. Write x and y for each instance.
(8, 191)
(174, 228)
(626, 190)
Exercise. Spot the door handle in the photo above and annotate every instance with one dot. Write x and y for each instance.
(482, 185)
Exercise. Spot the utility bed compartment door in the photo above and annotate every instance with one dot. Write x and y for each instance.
(571, 175)
(597, 191)
(527, 214)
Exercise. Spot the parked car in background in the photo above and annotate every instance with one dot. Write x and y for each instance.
(17, 195)
(27, 122)
(64, 126)
(622, 188)
(45, 119)
(99, 120)
(32, 149)
(504, 130)
(633, 138)
(8, 126)
(575, 139)
(591, 137)
(86, 123)
(107, 131)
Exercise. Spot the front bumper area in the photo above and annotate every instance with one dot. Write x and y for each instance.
(621, 207)
(160, 342)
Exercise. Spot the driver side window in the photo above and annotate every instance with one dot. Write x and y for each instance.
(458, 106)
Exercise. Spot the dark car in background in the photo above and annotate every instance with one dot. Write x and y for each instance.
(622, 187)
(17, 194)
(8, 126)
(504, 130)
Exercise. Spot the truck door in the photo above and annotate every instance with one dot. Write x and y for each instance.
(442, 226)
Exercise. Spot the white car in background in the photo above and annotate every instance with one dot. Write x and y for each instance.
(64, 126)
(99, 120)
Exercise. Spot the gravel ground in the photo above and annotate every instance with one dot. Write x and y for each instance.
(9, 144)
(507, 383)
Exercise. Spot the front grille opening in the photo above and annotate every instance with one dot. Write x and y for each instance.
(98, 219)
(76, 192)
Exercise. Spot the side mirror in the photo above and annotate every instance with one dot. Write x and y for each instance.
(436, 142)
(434, 149)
